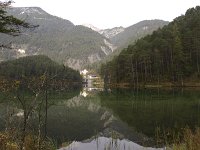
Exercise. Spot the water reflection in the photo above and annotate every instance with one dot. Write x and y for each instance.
(120, 113)
(104, 143)
(149, 110)
(82, 117)
(88, 90)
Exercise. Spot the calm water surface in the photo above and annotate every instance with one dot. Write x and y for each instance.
(123, 114)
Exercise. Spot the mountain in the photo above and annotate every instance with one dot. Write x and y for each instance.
(121, 37)
(61, 40)
(169, 56)
(92, 27)
(75, 46)
(110, 33)
(136, 31)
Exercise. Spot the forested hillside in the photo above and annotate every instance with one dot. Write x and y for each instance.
(128, 36)
(170, 54)
(57, 38)
(66, 43)
(35, 67)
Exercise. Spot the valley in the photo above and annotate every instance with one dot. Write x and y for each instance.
(77, 87)
(75, 46)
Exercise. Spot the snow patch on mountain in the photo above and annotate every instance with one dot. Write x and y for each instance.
(31, 10)
(109, 33)
(92, 27)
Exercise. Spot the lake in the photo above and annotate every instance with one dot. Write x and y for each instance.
(96, 117)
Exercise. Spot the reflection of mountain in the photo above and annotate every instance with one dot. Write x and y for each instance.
(103, 143)
(117, 113)
(90, 90)
(146, 110)
(11, 112)
(73, 119)
(81, 118)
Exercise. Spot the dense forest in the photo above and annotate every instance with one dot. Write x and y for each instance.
(36, 66)
(168, 55)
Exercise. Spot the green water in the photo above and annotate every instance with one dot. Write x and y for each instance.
(125, 113)
(147, 110)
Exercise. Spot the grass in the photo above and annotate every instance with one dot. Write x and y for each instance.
(9, 142)
(185, 140)
(188, 140)
(191, 140)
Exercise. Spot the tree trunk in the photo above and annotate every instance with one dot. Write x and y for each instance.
(23, 130)
(137, 73)
(197, 62)
(39, 129)
(46, 111)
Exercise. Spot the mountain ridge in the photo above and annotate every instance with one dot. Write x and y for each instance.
(57, 38)
(73, 45)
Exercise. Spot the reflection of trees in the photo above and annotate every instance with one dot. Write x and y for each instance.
(27, 92)
(75, 119)
(81, 118)
(146, 110)
(32, 96)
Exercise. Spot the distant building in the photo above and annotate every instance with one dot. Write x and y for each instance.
(92, 76)
(84, 72)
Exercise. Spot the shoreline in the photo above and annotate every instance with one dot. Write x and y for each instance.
(154, 85)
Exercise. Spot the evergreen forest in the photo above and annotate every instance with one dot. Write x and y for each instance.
(169, 56)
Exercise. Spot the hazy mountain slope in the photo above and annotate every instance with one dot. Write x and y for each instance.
(108, 33)
(121, 37)
(136, 31)
(75, 46)
(62, 41)
(128, 36)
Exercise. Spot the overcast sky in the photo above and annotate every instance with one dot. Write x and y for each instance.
(111, 13)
